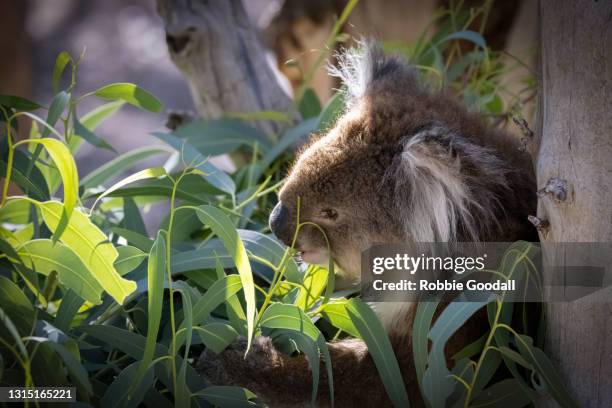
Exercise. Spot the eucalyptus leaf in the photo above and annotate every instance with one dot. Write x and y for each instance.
(43, 256)
(132, 94)
(63, 58)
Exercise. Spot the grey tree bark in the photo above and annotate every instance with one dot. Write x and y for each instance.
(219, 51)
(574, 171)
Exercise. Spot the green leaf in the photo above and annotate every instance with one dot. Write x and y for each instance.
(155, 280)
(471, 349)
(218, 293)
(133, 345)
(514, 356)
(437, 381)
(19, 103)
(309, 105)
(35, 184)
(131, 94)
(379, 347)
(488, 368)
(17, 307)
(64, 162)
(63, 58)
(335, 312)
(227, 396)
(153, 172)
(217, 336)
(132, 219)
(290, 317)
(92, 119)
(10, 334)
(289, 138)
(81, 131)
(223, 228)
(331, 112)
(467, 35)
(257, 244)
(118, 393)
(58, 105)
(219, 136)
(234, 309)
(76, 370)
(139, 241)
(15, 212)
(182, 393)
(129, 259)
(45, 257)
(309, 347)
(192, 157)
(68, 308)
(92, 246)
(305, 334)
(125, 161)
(506, 393)
(192, 188)
(545, 369)
(420, 339)
(315, 281)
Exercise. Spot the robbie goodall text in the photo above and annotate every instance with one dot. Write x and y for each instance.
(509, 271)
(434, 271)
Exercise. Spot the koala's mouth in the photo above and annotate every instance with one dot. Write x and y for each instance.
(313, 256)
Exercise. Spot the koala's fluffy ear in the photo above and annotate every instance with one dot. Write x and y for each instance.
(436, 189)
(367, 68)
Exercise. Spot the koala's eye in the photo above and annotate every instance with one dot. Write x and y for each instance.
(329, 214)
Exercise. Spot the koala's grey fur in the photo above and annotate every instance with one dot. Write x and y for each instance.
(403, 164)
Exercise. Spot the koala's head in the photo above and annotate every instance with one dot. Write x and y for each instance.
(402, 164)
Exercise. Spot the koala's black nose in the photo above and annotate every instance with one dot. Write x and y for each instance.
(179, 40)
(279, 219)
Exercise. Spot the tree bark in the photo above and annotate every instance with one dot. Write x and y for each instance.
(219, 51)
(574, 169)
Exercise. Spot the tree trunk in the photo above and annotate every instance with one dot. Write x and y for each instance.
(574, 162)
(219, 51)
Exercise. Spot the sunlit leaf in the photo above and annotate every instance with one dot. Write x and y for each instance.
(64, 162)
(315, 280)
(44, 257)
(132, 94)
(335, 313)
(63, 58)
(92, 246)
(153, 172)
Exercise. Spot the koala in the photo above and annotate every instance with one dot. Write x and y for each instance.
(402, 164)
